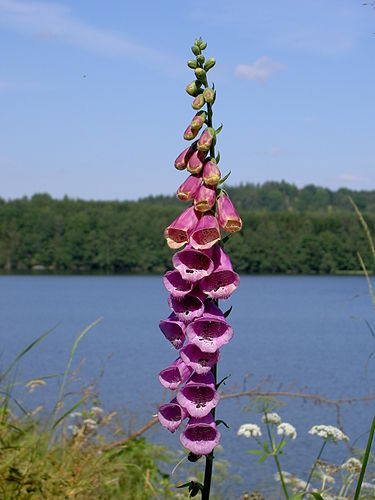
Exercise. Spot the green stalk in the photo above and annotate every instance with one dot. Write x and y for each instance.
(314, 464)
(365, 460)
(274, 453)
(210, 457)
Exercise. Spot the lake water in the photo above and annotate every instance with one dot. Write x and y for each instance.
(304, 333)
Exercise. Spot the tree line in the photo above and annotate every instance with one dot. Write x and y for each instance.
(285, 230)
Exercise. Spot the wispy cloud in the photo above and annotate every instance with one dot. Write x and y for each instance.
(261, 70)
(54, 21)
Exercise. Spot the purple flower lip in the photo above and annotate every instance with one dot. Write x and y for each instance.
(177, 233)
(210, 331)
(222, 282)
(199, 395)
(189, 307)
(171, 415)
(193, 264)
(199, 361)
(173, 330)
(200, 435)
(175, 285)
(205, 234)
(175, 374)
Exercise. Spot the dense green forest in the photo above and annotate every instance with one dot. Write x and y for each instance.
(285, 230)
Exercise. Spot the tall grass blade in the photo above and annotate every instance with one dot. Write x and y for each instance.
(364, 225)
(67, 369)
(365, 461)
(60, 419)
(370, 287)
(25, 351)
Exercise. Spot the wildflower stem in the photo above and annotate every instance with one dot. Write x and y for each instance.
(314, 465)
(365, 460)
(274, 453)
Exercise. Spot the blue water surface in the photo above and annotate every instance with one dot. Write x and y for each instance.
(292, 333)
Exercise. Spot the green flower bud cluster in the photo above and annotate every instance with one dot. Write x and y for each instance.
(203, 95)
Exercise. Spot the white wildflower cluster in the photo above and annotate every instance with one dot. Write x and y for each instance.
(295, 482)
(328, 432)
(368, 488)
(352, 465)
(287, 430)
(85, 422)
(74, 429)
(271, 418)
(249, 430)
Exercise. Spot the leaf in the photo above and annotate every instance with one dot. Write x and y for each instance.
(318, 496)
(255, 452)
(262, 458)
(185, 485)
(225, 177)
(265, 447)
(218, 130)
(217, 159)
(297, 496)
(281, 445)
(218, 422)
(192, 457)
(226, 238)
(228, 311)
(221, 381)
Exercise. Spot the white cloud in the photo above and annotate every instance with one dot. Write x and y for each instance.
(261, 70)
(53, 21)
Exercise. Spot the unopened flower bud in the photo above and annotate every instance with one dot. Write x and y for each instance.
(205, 198)
(208, 95)
(192, 64)
(202, 45)
(198, 102)
(195, 50)
(189, 188)
(193, 88)
(190, 133)
(211, 173)
(198, 120)
(195, 163)
(210, 63)
(200, 59)
(205, 140)
(200, 74)
(183, 158)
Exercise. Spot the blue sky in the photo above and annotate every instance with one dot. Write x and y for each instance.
(93, 103)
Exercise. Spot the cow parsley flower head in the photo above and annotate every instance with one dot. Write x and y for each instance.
(352, 465)
(287, 430)
(271, 418)
(328, 432)
(249, 430)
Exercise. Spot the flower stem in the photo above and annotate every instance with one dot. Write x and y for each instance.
(209, 457)
(314, 465)
(274, 453)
